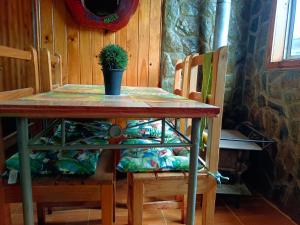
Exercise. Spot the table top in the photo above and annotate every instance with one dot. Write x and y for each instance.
(89, 101)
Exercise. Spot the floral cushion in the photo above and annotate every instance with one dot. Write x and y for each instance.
(79, 162)
(149, 130)
(153, 159)
(55, 162)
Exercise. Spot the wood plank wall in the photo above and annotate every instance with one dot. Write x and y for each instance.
(80, 46)
(15, 31)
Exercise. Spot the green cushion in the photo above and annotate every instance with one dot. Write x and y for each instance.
(77, 162)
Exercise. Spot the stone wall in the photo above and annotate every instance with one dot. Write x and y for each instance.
(188, 27)
(272, 99)
(181, 19)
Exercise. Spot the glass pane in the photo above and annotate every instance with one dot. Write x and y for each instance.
(295, 50)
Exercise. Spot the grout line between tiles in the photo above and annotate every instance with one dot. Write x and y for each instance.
(235, 216)
(278, 210)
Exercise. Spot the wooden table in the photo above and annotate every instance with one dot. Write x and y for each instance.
(89, 101)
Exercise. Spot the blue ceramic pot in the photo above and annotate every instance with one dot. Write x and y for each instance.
(112, 81)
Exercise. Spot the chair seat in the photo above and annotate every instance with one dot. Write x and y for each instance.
(163, 183)
(103, 175)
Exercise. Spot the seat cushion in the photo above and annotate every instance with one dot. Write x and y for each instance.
(153, 159)
(79, 162)
(55, 162)
(148, 130)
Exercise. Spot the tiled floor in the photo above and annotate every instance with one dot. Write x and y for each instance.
(253, 211)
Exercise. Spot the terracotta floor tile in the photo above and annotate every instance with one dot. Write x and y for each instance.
(69, 216)
(253, 211)
(259, 212)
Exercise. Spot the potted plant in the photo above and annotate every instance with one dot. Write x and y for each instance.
(113, 60)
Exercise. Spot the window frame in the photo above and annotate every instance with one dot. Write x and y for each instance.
(289, 63)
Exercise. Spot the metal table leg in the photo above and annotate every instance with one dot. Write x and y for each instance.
(22, 131)
(192, 190)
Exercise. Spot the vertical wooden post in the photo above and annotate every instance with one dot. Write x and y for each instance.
(41, 214)
(107, 204)
(137, 201)
(34, 81)
(45, 70)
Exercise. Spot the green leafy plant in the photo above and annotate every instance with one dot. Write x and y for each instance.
(113, 56)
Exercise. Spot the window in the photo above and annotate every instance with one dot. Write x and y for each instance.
(284, 43)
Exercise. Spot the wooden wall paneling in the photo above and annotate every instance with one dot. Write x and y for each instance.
(80, 46)
(121, 36)
(97, 45)
(47, 31)
(108, 38)
(18, 28)
(132, 49)
(4, 41)
(27, 36)
(15, 31)
(2, 36)
(143, 50)
(12, 42)
(60, 38)
(155, 42)
(86, 64)
(20, 15)
(73, 51)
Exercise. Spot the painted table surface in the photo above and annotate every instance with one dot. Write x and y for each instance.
(89, 101)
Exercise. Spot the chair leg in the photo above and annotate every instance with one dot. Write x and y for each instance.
(41, 214)
(135, 201)
(208, 206)
(114, 201)
(5, 218)
(183, 200)
(107, 204)
(129, 198)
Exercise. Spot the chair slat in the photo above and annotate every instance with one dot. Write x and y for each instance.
(9, 95)
(15, 53)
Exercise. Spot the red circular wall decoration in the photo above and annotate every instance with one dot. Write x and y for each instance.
(112, 22)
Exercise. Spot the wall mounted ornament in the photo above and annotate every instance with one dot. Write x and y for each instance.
(109, 15)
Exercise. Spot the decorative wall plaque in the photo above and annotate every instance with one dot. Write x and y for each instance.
(109, 15)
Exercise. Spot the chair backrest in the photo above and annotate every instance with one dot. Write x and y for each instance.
(178, 77)
(32, 75)
(182, 75)
(181, 83)
(216, 97)
(186, 84)
(32, 87)
(219, 66)
(50, 70)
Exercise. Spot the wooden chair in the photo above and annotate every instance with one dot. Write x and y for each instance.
(7, 141)
(143, 185)
(51, 78)
(60, 190)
